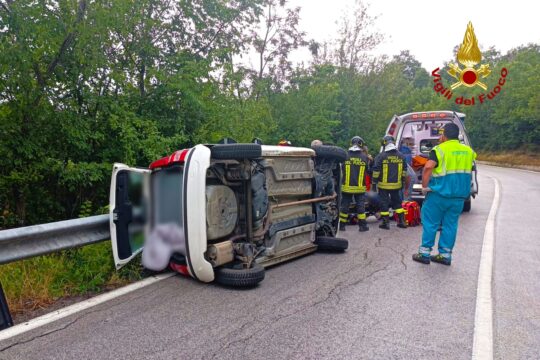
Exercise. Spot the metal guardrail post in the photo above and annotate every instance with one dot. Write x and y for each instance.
(5, 316)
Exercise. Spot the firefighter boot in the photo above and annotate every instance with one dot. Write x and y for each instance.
(342, 226)
(385, 222)
(362, 225)
(401, 221)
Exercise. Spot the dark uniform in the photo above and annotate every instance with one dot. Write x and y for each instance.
(389, 174)
(355, 171)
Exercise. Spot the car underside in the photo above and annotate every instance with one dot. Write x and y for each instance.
(226, 211)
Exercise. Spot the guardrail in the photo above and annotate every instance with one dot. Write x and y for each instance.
(30, 241)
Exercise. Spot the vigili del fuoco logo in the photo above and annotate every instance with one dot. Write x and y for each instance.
(469, 56)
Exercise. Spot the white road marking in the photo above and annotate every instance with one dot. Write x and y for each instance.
(483, 320)
(78, 307)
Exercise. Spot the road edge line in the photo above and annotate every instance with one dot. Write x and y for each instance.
(483, 319)
(78, 307)
(531, 169)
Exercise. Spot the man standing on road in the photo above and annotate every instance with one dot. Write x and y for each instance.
(354, 184)
(389, 175)
(446, 182)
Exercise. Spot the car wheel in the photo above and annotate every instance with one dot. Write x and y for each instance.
(238, 277)
(236, 151)
(332, 244)
(330, 152)
(467, 205)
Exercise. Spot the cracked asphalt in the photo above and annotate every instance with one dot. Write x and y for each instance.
(371, 302)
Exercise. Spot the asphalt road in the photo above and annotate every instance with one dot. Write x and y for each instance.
(373, 302)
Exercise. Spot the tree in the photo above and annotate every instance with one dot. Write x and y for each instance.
(273, 42)
(355, 39)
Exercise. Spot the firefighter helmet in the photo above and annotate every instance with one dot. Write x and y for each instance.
(357, 140)
(388, 140)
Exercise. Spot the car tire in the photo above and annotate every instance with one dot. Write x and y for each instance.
(330, 152)
(234, 277)
(326, 243)
(467, 205)
(236, 151)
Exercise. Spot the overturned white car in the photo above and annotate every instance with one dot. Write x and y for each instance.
(224, 212)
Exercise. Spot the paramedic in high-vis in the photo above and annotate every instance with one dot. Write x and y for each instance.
(446, 182)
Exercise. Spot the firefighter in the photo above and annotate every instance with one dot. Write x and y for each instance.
(354, 184)
(389, 177)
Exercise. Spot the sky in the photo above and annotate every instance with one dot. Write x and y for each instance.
(429, 29)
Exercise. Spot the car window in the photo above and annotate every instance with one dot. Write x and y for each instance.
(167, 185)
(427, 145)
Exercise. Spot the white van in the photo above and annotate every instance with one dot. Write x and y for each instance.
(421, 130)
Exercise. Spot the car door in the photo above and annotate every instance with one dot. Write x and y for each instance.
(474, 182)
(459, 120)
(393, 126)
(128, 209)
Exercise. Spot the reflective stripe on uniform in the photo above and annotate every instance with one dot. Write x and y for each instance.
(361, 216)
(445, 252)
(385, 213)
(385, 173)
(391, 186)
(424, 250)
(454, 164)
(353, 189)
(400, 210)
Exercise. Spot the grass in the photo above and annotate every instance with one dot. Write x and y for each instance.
(514, 158)
(38, 282)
